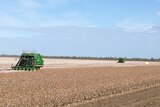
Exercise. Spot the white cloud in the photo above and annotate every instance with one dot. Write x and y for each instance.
(157, 0)
(25, 13)
(29, 4)
(11, 23)
(158, 13)
(23, 16)
(132, 26)
(58, 2)
(61, 2)
(7, 20)
(73, 18)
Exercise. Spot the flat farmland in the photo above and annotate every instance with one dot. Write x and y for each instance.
(7, 62)
(64, 82)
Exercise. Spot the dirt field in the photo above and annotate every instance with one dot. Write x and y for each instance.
(147, 97)
(81, 83)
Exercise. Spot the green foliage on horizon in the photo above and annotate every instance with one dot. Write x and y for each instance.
(91, 58)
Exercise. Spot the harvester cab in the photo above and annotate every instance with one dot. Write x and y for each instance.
(29, 62)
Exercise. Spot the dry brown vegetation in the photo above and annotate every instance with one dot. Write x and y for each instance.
(58, 87)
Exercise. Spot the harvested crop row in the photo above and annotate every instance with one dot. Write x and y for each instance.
(58, 87)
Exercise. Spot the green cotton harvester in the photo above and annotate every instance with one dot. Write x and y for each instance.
(29, 62)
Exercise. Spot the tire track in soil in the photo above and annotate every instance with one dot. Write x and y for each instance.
(149, 97)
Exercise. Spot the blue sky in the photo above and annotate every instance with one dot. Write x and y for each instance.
(100, 28)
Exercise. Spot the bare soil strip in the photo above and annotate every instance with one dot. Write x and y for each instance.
(148, 97)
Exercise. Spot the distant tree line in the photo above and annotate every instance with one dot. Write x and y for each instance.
(92, 58)
(103, 58)
(5, 55)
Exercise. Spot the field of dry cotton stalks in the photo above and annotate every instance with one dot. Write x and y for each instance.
(59, 87)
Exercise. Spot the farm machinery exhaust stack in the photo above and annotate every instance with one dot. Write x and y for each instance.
(29, 62)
